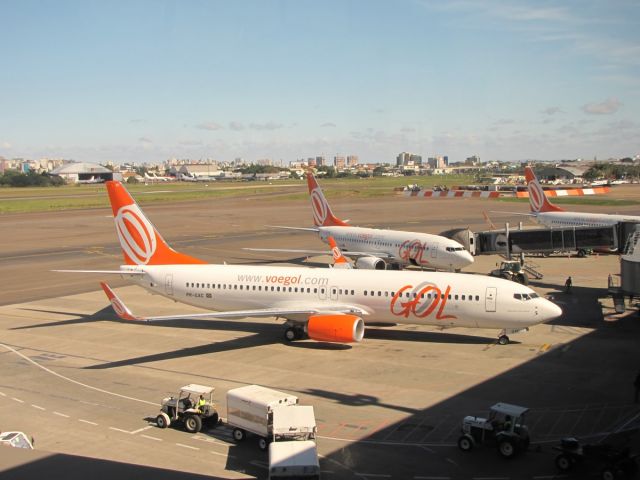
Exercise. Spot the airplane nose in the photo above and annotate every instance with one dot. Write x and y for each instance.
(465, 258)
(550, 311)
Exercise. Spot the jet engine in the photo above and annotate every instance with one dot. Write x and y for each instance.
(371, 263)
(335, 328)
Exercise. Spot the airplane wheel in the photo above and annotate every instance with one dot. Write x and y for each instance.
(290, 334)
(503, 340)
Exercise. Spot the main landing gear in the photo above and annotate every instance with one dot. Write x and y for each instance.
(503, 339)
(294, 333)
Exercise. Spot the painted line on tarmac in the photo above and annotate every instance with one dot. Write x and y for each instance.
(38, 407)
(420, 477)
(48, 370)
(187, 446)
(141, 429)
(61, 414)
(17, 400)
(87, 422)
(373, 475)
(152, 438)
(2, 394)
(119, 430)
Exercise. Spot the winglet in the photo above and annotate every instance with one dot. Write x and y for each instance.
(120, 308)
(339, 260)
(322, 214)
(538, 201)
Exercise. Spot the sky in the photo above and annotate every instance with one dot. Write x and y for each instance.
(146, 81)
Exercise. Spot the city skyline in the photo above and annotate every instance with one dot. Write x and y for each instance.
(145, 81)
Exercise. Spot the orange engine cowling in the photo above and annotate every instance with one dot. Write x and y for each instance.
(335, 328)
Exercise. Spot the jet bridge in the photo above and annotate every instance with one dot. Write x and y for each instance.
(536, 240)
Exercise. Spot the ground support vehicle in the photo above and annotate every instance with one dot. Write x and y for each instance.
(504, 428)
(293, 460)
(613, 463)
(250, 410)
(511, 270)
(191, 407)
(17, 440)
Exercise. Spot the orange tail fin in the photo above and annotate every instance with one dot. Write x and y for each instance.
(140, 241)
(339, 260)
(538, 201)
(322, 214)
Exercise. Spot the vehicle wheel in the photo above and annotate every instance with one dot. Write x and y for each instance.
(507, 448)
(608, 474)
(163, 420)
(213, 420)
(263, 443)
(503, 340)
(582, 253)
(192, 423)
(465, 443)
(238, 434)
(506, 276)
(290, 334)
(523, 279)
(564, 462)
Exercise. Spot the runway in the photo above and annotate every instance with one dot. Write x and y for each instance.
(87, 385)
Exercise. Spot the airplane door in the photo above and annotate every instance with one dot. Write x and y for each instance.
(434, 250)
(168, 284)
(490, 299)
(333, 291)
(322, 293)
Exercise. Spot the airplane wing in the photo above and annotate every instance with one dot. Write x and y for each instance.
(305, 229)
(323, 252)
(126, 314)
(107, 272)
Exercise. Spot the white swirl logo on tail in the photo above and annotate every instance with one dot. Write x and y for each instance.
(136, 234)
(536, 195)
(118, 307)
(319, 206)
(336, 253)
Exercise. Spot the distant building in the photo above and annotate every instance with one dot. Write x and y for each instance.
(311, 161)
(84, 172)
(474, 160)
(321, 161)
(339, 161)
(352, 160)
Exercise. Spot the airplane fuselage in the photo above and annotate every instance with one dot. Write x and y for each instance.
(578, 219)
(424, 298)
(405, 248)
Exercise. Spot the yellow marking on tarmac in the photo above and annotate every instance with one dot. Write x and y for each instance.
(545, 347)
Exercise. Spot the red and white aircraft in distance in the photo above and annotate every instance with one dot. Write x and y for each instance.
(545, 213)
(325, 304)
(377, 249)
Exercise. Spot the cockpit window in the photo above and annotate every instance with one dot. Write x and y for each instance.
(525, 296)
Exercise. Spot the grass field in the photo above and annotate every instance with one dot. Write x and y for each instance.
(23, 200)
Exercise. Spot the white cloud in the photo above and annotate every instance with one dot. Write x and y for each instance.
(608, 107)
(145, 140)
(266, 126)
(328, 125)
(5, 145)
(237, 126)
(209, 126)
(552, 111)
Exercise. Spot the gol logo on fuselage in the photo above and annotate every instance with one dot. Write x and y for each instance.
(419, 303)
(412, 250)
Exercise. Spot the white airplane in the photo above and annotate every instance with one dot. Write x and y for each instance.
(326, 305)
(156, 178)
(378, 249)
(91, 180)
(551, 215)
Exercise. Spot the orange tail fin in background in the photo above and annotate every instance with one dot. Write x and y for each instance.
(140, 241)
(339, 260)
(538, 201)
(322, 214)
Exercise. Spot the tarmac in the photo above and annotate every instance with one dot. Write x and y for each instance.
(87, 386)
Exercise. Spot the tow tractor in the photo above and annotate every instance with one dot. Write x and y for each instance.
(614, 463)
(511, 270)
(504, 428)
(184, 408)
